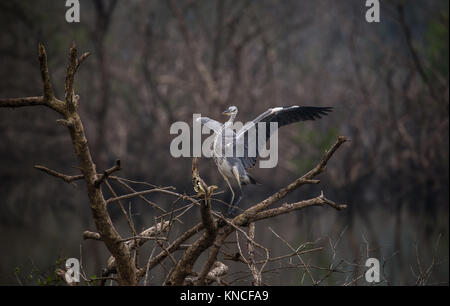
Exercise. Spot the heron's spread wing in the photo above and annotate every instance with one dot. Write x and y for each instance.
(210, 123)
(282, 116)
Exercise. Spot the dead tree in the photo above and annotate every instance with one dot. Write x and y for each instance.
(68, 109)
(212, 230)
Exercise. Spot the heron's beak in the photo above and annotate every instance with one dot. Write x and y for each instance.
(227, 112)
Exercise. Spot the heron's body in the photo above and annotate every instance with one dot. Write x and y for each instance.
(229, 166)
(233, 167)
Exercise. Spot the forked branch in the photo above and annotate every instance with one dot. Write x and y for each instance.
(68, 109)
(255, 213)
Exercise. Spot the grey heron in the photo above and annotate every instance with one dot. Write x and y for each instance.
(234, 168)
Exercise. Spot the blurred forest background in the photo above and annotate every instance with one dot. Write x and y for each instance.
(157, 62)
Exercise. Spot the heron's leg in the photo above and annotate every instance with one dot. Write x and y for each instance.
(236, 176)
(229, 186)
(232, 208)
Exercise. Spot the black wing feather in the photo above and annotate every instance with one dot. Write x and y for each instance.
(284, 116)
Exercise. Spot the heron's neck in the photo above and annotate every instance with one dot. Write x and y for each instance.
(231, 120)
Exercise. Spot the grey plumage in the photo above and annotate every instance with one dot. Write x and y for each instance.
(232, 166)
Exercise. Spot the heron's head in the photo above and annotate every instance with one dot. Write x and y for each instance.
(232, 110)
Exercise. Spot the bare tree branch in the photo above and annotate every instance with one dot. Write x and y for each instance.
(125, 263)
(64, 177)
(254, 213)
